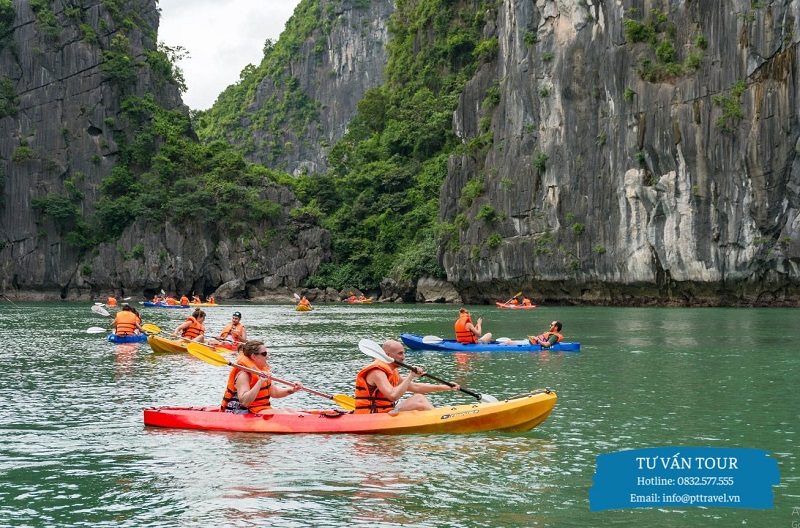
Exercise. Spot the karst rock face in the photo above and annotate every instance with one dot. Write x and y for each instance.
(59, 127)
(615, 154)
(622, 170)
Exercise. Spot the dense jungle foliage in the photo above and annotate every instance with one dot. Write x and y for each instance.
(380, 199)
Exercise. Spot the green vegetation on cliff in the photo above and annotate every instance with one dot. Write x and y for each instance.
(380, 199)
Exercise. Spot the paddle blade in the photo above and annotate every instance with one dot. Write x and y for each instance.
(488, 398)
(344, 401)
(96, 330)
(296, 296)
(432, 340)
(206, 354)
(505, 340)
(99, 310)
(373, 349)
(151, 328)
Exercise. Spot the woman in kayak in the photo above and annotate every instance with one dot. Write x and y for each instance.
(379, 386)
(247, 392)
(126, 323)
(468, 333)
(192, 329)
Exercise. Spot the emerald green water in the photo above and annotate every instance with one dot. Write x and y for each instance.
(74, 451)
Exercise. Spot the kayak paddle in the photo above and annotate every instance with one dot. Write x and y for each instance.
(212, 358)
(97, 330)
(373, 349)
(99, 310)
(435, 340)
(514, 297)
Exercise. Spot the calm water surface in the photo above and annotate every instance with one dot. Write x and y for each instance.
(74, 451)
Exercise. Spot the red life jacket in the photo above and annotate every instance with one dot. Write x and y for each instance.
(368, 398)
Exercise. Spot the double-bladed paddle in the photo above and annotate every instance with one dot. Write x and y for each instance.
(373, 349)
(200, 351)
(435, 340)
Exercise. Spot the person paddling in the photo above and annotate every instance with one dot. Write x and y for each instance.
(247, 392)
(234, 330)
(379, 385)
(126, 323)
(193, 329)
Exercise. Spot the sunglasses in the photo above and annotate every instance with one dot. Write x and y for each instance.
(264, 353)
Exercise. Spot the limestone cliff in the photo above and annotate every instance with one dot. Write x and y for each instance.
(66, 70)
(308, 87)
(631, 151)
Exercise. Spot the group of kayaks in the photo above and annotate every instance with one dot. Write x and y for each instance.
(150, 304)
(517, 413)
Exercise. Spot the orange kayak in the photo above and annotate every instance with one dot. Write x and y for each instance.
(520, 413)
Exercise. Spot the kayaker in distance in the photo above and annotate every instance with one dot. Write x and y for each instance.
(184, 300)
(111, 301)
(193, 329)
(126, 323)
(379, 385)
(468, 333)
(549, 338)
(304, 302)
(250, 393)
(234, 330)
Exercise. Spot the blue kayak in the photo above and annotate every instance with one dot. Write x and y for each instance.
(136, 338)
(149, 304)
(415, 342)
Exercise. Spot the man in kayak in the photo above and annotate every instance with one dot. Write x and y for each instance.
(379, 385)
(468, 333)
(234, 330)
(126, 323)
(549, 338)
(247, 392)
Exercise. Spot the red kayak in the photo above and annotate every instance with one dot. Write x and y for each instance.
(519, 413)
(516, 306)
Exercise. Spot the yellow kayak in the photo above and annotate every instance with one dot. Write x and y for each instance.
(166, 346)
(303, 308)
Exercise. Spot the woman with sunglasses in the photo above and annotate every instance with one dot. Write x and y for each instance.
(250, 393)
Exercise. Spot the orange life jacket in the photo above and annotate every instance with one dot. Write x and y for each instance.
(368, 398)
(545, 336)
(111, 301)
(235, 331)
(262, 398)
(184, 301)
(194, 329)
(462, 334)
(526, 302)
(514, 301)
(126, 323)
(211, 299)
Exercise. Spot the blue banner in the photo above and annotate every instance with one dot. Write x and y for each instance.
(684, 476)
